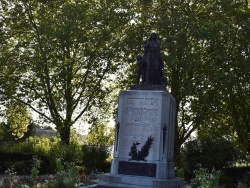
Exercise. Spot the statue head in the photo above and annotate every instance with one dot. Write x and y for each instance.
(153, 36)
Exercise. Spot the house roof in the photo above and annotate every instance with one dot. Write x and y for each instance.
(45, 132)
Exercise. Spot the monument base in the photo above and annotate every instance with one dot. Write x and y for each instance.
(127, 181)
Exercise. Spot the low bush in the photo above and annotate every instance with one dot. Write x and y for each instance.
(212, 153)
(235, 177)
(19, 154)
(66, 176)
(89, 158)
(71, 153)
(204, 179)
(95, 158)
(19, 161)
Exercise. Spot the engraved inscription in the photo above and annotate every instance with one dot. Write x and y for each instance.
(138, 169)
(142, 114)
(142, 101)
(140, 119)
(143, 119)
(142, 111)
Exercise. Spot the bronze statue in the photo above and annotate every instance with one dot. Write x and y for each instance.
(141, 70)
(151, 64)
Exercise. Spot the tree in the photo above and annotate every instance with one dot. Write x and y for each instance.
(18, 119)
(227, 90)
(56, 56)
(207, 51)
(205, 47)
(101, 134)
(6, 133)
(67, 49)
(18, 123)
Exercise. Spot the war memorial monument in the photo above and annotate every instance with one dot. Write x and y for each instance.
(144, 138)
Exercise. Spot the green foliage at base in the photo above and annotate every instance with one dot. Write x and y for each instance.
(66, 176)
(95, 158)
(204, 179)
(69, 166)
(210, 152)
(70, 153)
(210, 162)
(20, 155)
(235, 177)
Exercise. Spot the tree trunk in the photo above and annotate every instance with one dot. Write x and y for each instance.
(177, 144)
(177, 153)
(64, 134)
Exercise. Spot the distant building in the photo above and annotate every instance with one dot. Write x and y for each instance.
(45, 132)
(50, 133)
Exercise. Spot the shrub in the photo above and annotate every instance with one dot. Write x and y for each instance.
(235, 177)
(33, 145)
(19, 161)
(35, 167)
(70, 153)
(244, 182)
(95, 157)
(210, 153)
(19, 154)
(66, 175)
(205, 179)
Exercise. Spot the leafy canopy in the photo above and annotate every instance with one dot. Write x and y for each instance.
(56, 56)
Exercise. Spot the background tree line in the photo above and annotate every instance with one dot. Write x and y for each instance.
(63, 59)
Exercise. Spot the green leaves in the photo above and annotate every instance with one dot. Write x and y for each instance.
(204, 44)
(18, 119)
(62, 53)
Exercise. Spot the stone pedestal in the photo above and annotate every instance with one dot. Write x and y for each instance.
(144, 145)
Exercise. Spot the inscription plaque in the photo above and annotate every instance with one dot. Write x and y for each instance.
(140, 117)
(137, 169)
